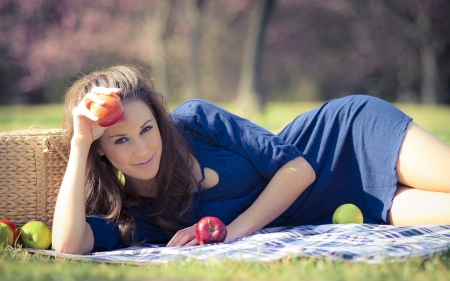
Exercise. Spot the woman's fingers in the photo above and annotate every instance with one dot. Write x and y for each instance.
(83, 108)
(93, 96)
(180, 239)
(184, 237)
(90, 98)
(84, 119)
(82, 111)
(192, 242)
(97, 96)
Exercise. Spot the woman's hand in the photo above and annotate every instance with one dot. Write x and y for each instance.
(184, 237)
(85, 128)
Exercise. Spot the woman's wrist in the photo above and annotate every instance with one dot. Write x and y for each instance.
(77, 144)
(235, 231)
(79, 152)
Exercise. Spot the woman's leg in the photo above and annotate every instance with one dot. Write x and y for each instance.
(424, 161)
(415, 207)
(423, 169)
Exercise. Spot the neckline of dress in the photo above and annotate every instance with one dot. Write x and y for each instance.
(199, 192)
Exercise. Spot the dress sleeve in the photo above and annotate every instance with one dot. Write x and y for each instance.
(203, 121)
(106, 235)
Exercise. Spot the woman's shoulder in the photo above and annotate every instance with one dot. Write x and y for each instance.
(194, 106)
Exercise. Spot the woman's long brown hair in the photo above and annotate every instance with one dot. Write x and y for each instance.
(105, 194)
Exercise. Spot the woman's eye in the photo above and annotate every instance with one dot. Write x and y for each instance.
(120, 141)
(146, 129)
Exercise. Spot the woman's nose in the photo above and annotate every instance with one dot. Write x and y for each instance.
(141, 148)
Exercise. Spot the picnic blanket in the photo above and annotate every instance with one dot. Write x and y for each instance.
(352, 242)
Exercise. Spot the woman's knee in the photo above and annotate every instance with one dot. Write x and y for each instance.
(415, 207)
(423, 161)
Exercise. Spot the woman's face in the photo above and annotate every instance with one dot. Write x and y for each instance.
(134, 147)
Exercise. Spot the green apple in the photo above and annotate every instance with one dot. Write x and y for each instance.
(36, 234)
(6, 236)
(347, 213)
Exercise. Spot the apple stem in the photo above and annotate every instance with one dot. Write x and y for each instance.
(210, 226)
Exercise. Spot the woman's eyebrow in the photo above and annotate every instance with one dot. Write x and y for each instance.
(118, 135)
(146, 122)
(123, 135)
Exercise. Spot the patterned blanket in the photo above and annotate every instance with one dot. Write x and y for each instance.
(353, 242)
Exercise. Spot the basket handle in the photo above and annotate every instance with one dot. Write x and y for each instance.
(50, 145)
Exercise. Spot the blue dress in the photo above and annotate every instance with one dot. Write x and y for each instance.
(352, 143)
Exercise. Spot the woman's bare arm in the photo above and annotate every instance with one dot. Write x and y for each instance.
(71, 233)
(286, 185)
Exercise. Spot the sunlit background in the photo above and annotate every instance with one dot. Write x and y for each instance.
(236, 50)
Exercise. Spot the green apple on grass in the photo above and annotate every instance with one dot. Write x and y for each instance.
(36, 234)
(6, 236)
(347, 213)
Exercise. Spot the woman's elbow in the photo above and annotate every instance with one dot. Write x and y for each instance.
(312, 173)
(308, 174)
(73, 246)
(66, 248)
(69, 248)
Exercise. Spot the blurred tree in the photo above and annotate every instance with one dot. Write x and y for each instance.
(193, 80)
(426, 23)
(249, 89)
(223, 31)
(55, 39)
(155, 26)
(313, 50)
(325, 49)
(310, 53)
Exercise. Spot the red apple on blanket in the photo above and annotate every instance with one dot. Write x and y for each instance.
(6, 236)
(36, 234)
(210, 230)
(110, 112)
(13, 228)
(347, 213)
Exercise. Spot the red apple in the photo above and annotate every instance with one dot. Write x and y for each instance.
(13, 227)
(210, 230)
(6, 236)
(110, 112)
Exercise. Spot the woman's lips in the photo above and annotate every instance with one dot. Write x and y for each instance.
(145, 164)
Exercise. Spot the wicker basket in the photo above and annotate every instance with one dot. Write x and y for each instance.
(32, 165)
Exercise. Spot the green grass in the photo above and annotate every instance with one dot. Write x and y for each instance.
(20, 265)
(17, 264)
(21, 117)
(433, 118)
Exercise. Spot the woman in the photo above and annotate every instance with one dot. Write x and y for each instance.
(202, 160)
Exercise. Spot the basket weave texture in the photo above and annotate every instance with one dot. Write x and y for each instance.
(32, 165)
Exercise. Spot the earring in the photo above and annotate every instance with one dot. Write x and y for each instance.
(121, 177)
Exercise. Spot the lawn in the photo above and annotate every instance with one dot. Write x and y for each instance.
(276, 115)
(16, 264)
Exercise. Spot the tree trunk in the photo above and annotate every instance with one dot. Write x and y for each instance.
(428, 75)
(157, 25)
(249, 95)
(428, 65)
(193, 82)
(416, 17)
